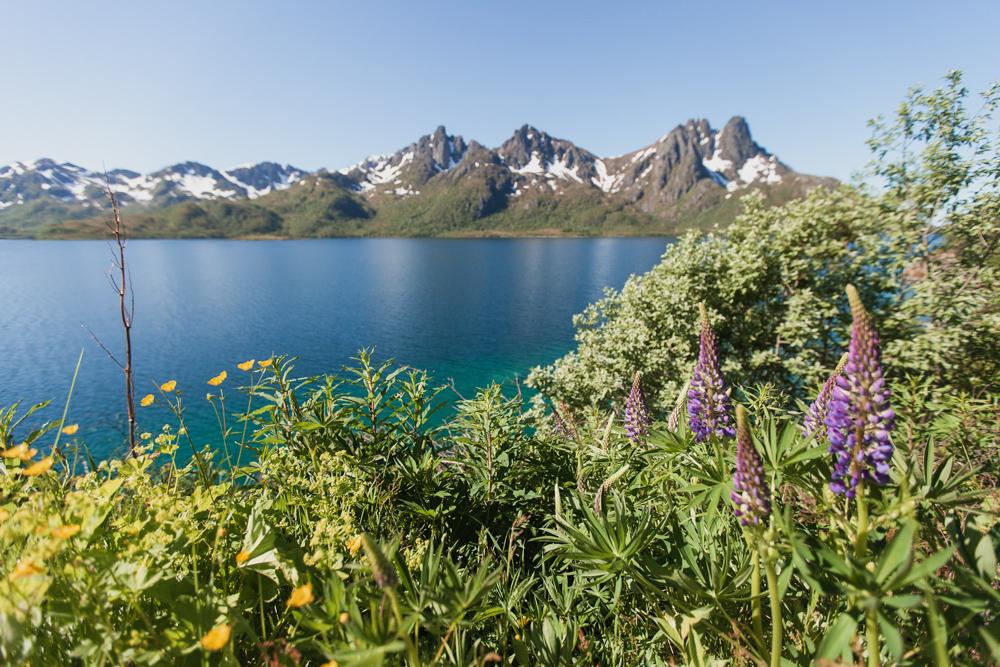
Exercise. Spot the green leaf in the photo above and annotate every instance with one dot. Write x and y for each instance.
(986, 556)
(928, 566)
(898, 553)
(891, 637)
(837, 641)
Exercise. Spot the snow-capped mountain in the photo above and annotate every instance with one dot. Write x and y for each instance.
(407, 169)
(691, 156)
(531, 177)
(68, 183)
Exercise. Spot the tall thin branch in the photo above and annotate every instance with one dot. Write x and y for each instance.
(124, 287)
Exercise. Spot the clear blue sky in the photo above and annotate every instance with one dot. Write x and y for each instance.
(143, 84)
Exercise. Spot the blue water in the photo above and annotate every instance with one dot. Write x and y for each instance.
(474, 310)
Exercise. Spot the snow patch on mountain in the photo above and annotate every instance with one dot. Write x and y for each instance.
(760, 168)
(535, 166)
(605, 181)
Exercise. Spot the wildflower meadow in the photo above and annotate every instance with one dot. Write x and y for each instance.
(779, 447)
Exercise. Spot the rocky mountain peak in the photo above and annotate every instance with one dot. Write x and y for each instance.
(531, 151)
(734, 142)
(690, 168)
(444, 150)
(264, 177)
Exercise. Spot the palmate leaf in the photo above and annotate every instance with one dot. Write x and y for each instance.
(604, 547)
(709, 481)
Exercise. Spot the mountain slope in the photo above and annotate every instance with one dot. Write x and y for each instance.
(440, 184)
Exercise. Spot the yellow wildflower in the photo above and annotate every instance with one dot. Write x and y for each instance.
(147, 400)
(21, 451)
(344, 618)
(264, 363)
(219, 379)
(216, 638)
(145, 436)
(330, 663)
(354, 545)
(71, 429)
(242, 557)
(24, 568)
(246, 365)
(301, 596)
(38, 468)
(168, 386)
(66, 531)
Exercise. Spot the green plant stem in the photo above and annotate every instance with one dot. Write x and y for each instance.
(861, 538)
(871, 634)
(861, 552)
(776, 625)
(755, 610)
(938, 640)
(69, 396)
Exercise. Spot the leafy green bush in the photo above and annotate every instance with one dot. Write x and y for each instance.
(922, 248)
(500, 540)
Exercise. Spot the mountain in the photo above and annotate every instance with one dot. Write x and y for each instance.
(439, 185)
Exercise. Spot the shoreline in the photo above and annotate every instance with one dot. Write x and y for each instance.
(452, 237)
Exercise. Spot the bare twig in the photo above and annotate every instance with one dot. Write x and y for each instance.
(451, 385)
(104, 347)
(123, 286)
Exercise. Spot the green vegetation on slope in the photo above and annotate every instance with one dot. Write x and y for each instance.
(481, 204)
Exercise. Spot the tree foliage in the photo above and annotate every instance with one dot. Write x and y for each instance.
(920, 242)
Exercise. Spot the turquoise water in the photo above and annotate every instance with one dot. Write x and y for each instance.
(474, 310)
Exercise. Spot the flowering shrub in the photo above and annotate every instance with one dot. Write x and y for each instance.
(921, 249)
(349, 527)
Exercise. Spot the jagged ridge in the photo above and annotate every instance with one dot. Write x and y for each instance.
(687, 172)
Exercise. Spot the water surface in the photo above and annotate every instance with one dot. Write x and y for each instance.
(475, 310)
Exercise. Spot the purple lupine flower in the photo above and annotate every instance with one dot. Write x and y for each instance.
(751, 494)
(708, 398)
(815, 419)
(636, 413)
(859, 417)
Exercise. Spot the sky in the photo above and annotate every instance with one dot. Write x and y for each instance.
(143, 85)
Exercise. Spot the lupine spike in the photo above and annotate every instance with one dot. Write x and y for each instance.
(674, 420)
(565, 424)
(708, 399)
(636, 412)
(751, 495)
(815, 420)
(860, 418)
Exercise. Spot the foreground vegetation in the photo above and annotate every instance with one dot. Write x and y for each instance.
(812, 479)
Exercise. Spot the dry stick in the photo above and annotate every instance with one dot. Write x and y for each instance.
(118, 230)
